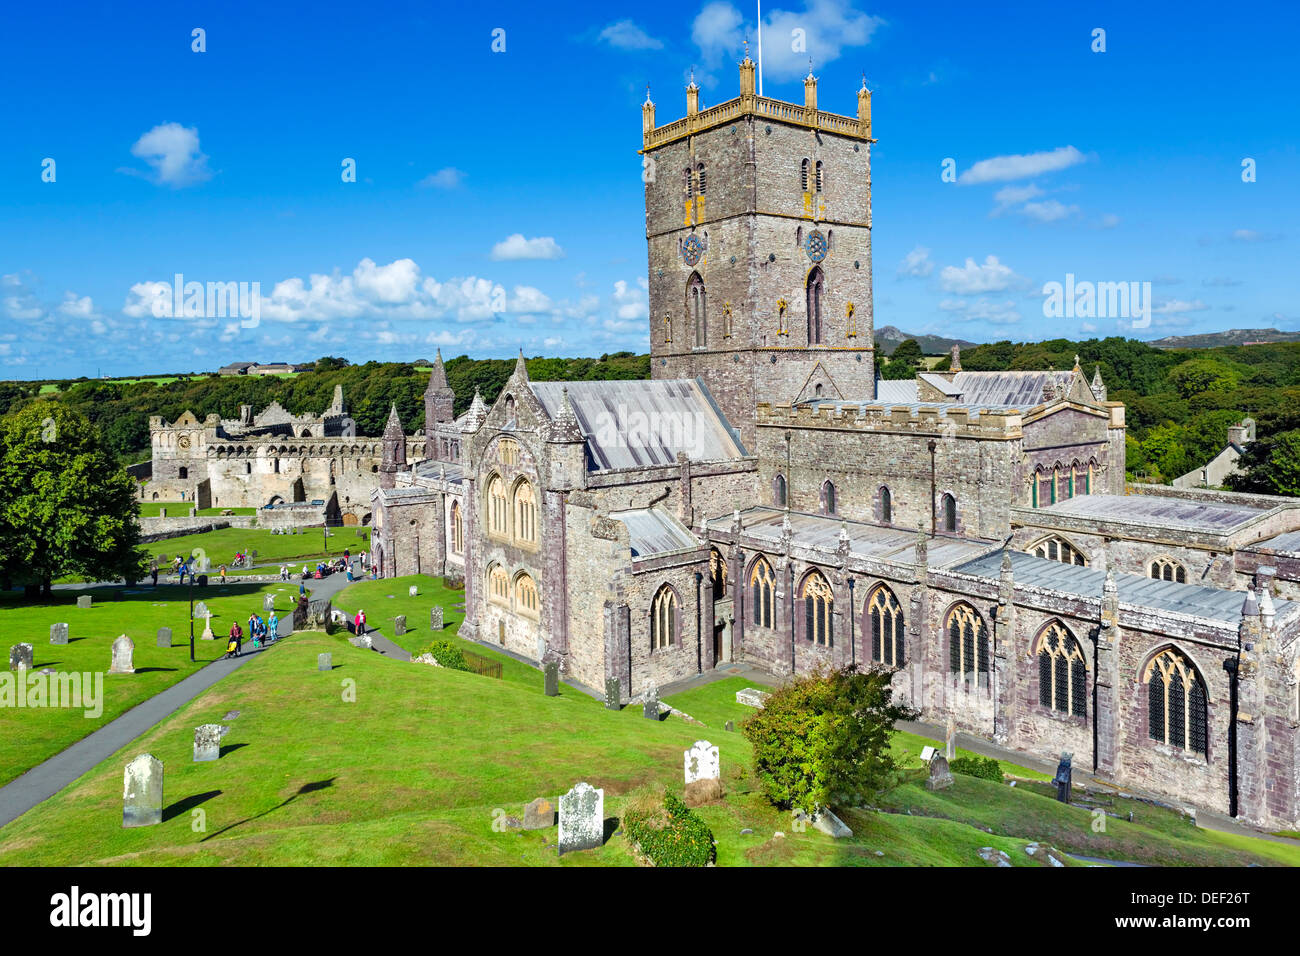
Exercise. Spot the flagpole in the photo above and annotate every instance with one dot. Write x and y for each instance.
(760, 47)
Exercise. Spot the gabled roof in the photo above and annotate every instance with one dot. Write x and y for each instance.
(1023, 389)
(1164, 512)
(654, 531)
(896, 392)
(640, 423)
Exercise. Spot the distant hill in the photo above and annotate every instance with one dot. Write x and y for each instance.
(1210, 340)
(888, 338)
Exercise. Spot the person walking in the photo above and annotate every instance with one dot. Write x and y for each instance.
(223, 574)
(273, 629)
(361, 623)
(236, 639)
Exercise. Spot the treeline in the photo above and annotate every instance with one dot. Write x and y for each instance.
(121, 411)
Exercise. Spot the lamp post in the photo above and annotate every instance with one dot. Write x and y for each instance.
(191, 617)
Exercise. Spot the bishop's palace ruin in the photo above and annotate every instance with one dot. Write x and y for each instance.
(764, 497)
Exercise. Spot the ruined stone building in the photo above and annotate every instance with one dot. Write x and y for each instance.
(763, 498)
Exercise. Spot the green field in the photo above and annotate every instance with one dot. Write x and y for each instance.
(385, 598)
(380, 762)
(181, 509)
(220, 545)
(29, 736)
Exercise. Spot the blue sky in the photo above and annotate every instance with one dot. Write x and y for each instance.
(498, 200)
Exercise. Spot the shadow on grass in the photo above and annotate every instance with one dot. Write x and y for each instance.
(188, 804)
(611, 827)
(153, 670)
(230, 748)
(304, 789)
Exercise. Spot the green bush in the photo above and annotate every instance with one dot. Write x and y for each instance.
(668, 832)
(985, 767)
(824, 738)
(449, 655)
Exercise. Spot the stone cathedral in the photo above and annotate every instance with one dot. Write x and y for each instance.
(763, 497)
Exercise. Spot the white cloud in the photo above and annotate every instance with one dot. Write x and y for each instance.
(1253, 235)
(1178, 307)
(78, 307)
(141, 297)
(1009, 196)
(981, 310)
(517, 247)
(626, 35)
(393, 283)
(916, 263)
(1109, 221)
(173, 152)
(1006, 168)
(973, 278)
(1049, 210)
(446, 178)
(631, 303)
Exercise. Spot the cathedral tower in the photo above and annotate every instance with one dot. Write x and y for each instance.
(758, 222)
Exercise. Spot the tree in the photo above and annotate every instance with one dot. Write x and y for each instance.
(1270, 466)
(1202, 375)
(66, 505)
(824, 738)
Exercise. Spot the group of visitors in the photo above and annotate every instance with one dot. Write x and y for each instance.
(262, 633)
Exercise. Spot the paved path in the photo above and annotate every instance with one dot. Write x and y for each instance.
(45, 780)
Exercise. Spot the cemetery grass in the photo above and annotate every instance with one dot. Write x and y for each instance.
(180, 509)
(29, 736)
(373, 598)
(221, 544)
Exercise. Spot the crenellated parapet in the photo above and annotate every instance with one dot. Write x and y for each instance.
(939, 420)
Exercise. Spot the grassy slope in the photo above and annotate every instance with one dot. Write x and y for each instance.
(373, 597)
(180, 509)
(29, 736)
(220, 545)
(418, 767)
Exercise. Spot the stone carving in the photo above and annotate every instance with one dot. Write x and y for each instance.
(207, 741)
(539, 814)
(207, 629)
(751, 697)
(164, 637)
(940, 776)
(324, 662)
(123, 656)
(201, 610)
(268, 602)
(582, 818)
(142, 792)
(552, 672)
(20, 657)
(58, 633)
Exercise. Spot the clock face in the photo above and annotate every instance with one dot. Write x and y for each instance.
(185, 441)
(815, 246)
(692, 250)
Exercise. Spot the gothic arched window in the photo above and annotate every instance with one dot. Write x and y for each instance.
(887, 629)
(948, 512)
(663, 618)
(819, 608)
(763, 585)
(1167, 569)
(498, 585)
(1058, 549)
(526, 601)
(1177, 714)
(803, 175)
(814, 291)
(457, 530)
(697, 309)
(968, 644)
(718, 574)
(525, 512)
(1062, 671)
(498, 510)
(819, 175)
(699, 171)
(779, 491)
(886, 505)
(829, 503)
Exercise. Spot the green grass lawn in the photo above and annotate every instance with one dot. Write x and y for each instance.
(29, 736)
(220, 545)
(380, 762)
(181, 509)
(386, 598)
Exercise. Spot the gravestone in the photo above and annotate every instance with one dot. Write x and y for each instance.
(201, 610)
(729, 726)
(164, 637)
(950, 741)
(207, 630)
(413, 591)
(1064, 776)
(268, 602)
(123, 656)
(399, 625)
(435, 617)
(58, 633)
(324, 662)
(650, 710)
(207, 741)
(142, 792)
(552, 671)
(582, 818)
(940, 776)
(539, 814)
(20, 657)
(83, 601)
(613, 694)
(703, 783)
(751, 697)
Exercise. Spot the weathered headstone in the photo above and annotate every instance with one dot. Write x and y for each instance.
(413, 590)
(268, 603)
(83, 601)
(164, 637)
(142, 792)
(950, 741)
(940, 776)
(20, 657)
(123, 656)
(399, 625)
(201, 610)
(831, 825)
(552, 671)
(58, 633)
(650, 709)
(435, 617)
(613, 694)
(751, 697)
(324, 662)
(582, 818)
(1064, 776)
(207, 741)
(729, 726)
(207, 630)
(703, 783)
(539, 814)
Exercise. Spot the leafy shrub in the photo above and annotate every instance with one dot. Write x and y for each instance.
(824, 738)
(449, 655)
(668, 832)
(975, 766)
